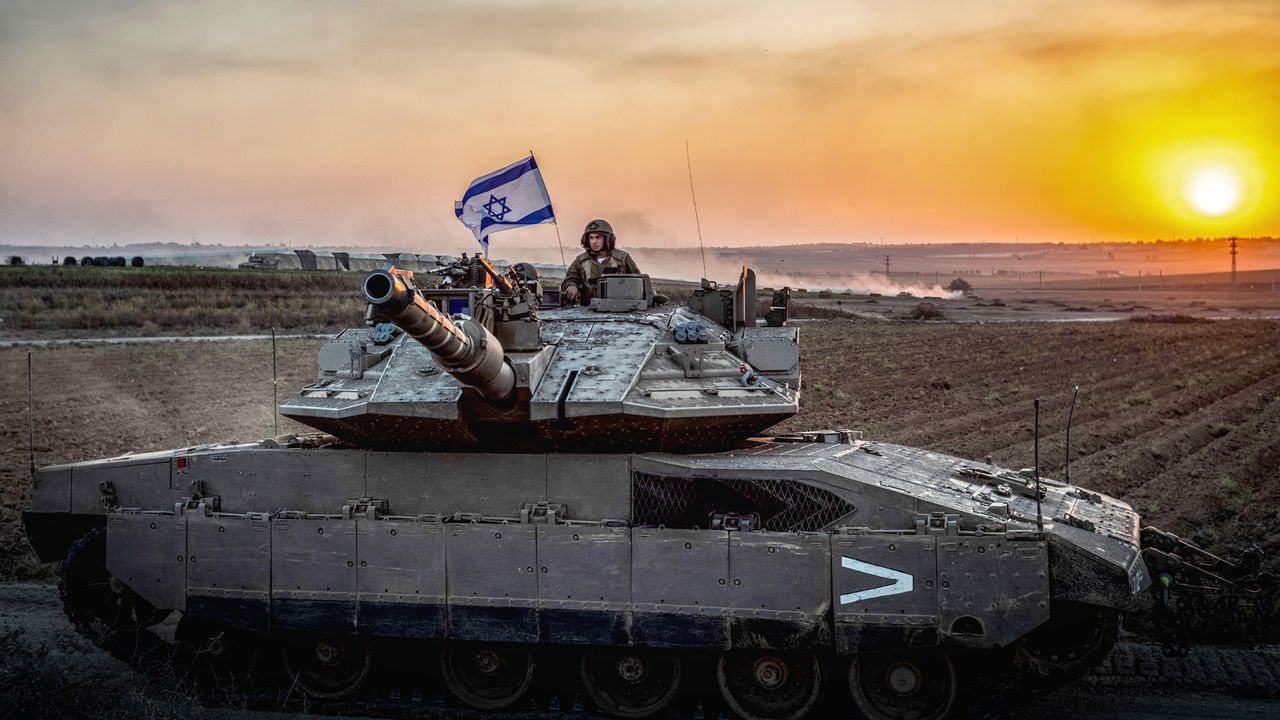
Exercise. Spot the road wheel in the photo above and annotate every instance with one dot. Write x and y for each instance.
(217, 656)
(769, 685)
(631, 682)
(327, 667)
(486, 676)
(903, 685)
(1076, 638)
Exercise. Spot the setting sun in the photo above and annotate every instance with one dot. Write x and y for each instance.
(1214, 190)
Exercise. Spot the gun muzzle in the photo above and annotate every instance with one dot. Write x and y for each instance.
(465, 350)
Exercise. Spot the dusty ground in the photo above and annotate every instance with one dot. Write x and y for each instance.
(97, 401)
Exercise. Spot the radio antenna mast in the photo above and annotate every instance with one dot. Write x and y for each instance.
(1070, 413)
(31, 420)
(1039, 515)
(689, 164)
(275, 399)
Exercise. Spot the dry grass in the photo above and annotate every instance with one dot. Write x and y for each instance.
(62, 302)
(68, 680)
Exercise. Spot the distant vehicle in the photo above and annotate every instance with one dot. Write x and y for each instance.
(335, 261)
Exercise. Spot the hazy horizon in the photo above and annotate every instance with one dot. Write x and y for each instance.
(328, 123)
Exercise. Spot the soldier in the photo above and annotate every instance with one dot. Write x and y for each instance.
(598, 241)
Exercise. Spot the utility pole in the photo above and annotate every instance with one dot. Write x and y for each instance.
(886, 264)
(1233, 264)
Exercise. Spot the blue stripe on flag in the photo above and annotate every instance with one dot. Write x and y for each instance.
(536, 217)
(484, 185)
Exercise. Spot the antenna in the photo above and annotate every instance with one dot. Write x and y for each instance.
(275, 402)
(1074, 392)
(1039, 516)
(31, 420)
(689, 164)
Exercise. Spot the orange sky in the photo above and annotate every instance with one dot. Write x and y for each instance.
(347, 123)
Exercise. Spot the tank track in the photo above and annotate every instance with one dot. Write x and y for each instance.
(402, 679)
(97, 606)
(397, 688)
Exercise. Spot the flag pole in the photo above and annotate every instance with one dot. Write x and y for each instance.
(556, 224)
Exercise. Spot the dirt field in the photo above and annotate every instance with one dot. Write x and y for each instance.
(1055, 303)
(106, 400)
(1182, 420)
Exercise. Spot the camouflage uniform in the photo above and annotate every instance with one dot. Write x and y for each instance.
(587, 268)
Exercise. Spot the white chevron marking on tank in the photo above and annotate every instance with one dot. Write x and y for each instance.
(902, 582)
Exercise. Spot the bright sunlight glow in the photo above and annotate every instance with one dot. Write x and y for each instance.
(1214, 190)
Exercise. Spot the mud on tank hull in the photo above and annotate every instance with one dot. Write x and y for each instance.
(780, 568)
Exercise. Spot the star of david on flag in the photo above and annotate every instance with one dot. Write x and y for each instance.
(512, 197)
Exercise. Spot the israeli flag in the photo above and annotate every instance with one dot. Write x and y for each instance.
(512, 197)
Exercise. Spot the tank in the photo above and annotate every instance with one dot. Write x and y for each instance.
(584, 504)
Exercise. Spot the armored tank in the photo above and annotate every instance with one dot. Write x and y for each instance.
(583, 503)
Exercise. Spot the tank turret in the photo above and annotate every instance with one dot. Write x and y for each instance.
(486, 367)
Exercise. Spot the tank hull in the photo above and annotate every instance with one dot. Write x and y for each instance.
(356, 541)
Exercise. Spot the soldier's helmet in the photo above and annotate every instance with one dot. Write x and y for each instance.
(599, 226)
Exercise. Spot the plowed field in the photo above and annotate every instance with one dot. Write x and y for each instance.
(1182, 420)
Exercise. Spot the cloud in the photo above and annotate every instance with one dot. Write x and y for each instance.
(819, 119)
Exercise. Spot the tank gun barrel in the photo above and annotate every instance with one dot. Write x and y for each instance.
(465, 350)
